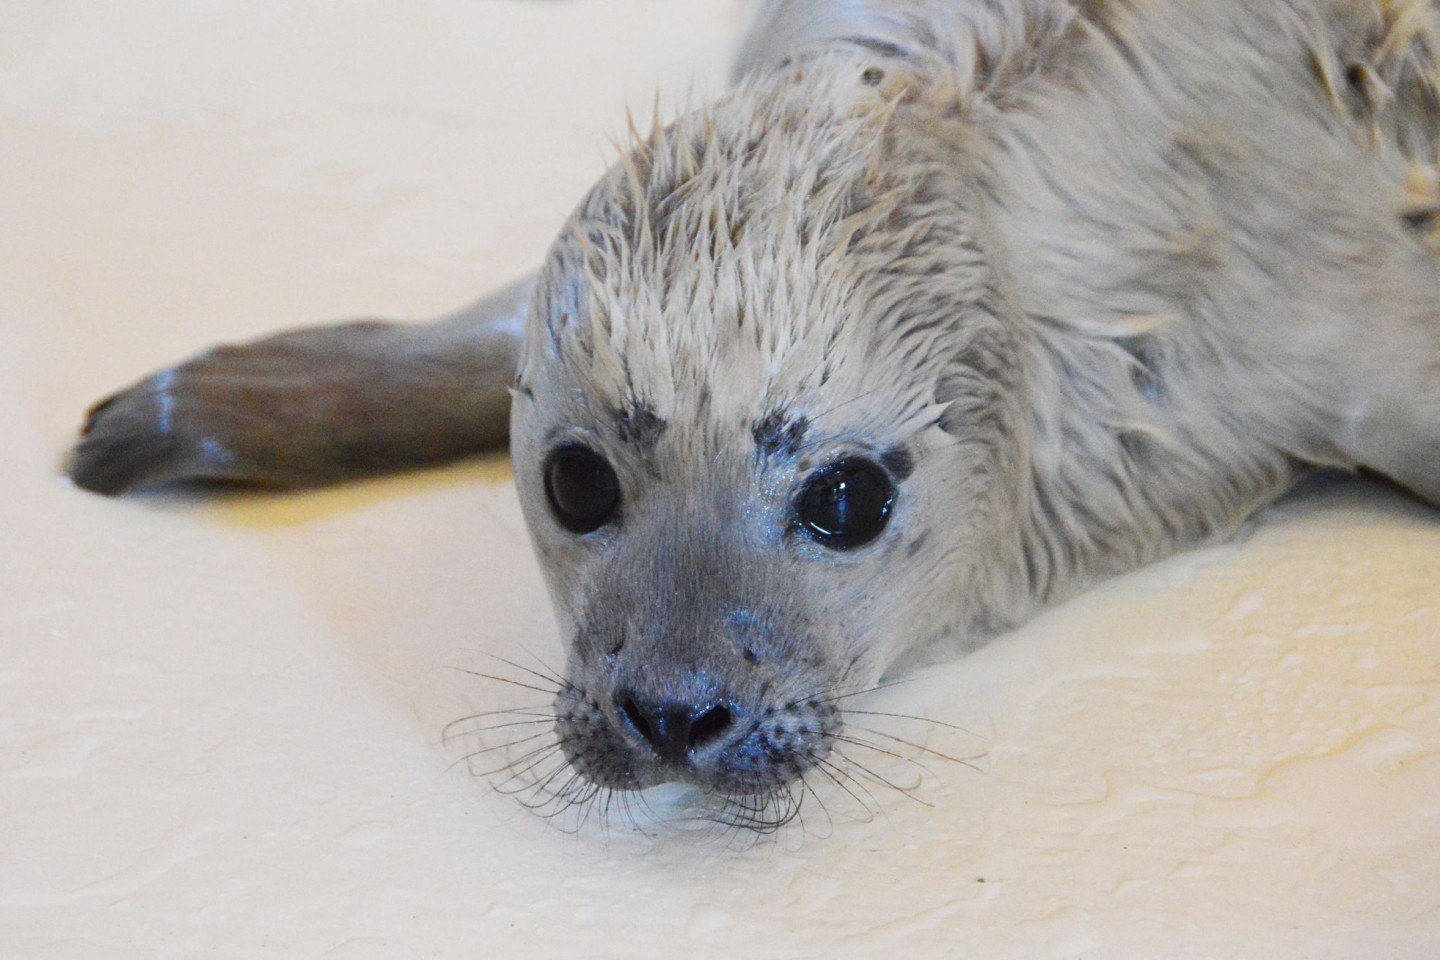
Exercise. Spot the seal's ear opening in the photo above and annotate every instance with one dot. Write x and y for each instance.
(846, 504)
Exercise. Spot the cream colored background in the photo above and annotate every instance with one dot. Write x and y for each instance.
(220, 719)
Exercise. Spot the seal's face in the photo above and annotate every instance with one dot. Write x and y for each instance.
(699, 651)
(735, 434)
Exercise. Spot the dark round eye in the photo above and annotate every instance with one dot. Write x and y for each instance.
(582, 489)
(847, 504)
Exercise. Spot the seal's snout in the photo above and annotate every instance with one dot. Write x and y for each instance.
(676, 731)
(745, 740)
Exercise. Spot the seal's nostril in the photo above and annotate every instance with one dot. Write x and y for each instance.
(673, 730)
(709, 726)
(638, 720)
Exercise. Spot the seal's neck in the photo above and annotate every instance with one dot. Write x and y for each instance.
(1126, 463)
(1137, 437)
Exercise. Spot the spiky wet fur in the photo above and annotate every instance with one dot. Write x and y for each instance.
(1104, 276)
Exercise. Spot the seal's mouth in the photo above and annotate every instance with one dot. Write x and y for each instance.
(745, 760)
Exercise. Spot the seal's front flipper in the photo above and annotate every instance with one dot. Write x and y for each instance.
(315, 405)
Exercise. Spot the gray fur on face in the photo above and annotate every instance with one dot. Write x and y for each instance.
(724, 286)
(1097, 278)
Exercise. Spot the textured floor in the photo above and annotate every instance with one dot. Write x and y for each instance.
(220, 721)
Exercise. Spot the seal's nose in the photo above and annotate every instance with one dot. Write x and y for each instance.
(673, 730)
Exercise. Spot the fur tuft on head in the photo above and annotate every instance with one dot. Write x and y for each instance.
(759, 251)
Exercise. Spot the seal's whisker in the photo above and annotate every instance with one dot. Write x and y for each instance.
(761, 814)
(531, 782)
(518, 766)
(773, 810)
(722, 810)
(568, 813)
(853, 733)
(868, 774)
(581, 792)
(550, 801)
(522, 710)
(507, 745)
(847, 694)
(490, 727)
(887, 752)
(910, 716)
(807, 789)
(514, 763)
(580, 804)
(856, 741)
(797, 801)
(584, 794)
(825, 808)
(856, 769)
(517, 781)
(540, 711)
(766, 810)
(458, 761)
(626, 797)
(545, 673)
(537, 791)
(534, 769)
(537, 712)
(735, 811)
(543, 787)
(478, 732)
(842, 779)
(558, 676)
(542, 795)
(607, 804)
(931, 751)
(512, 682)
(554, 682)
(780, 812)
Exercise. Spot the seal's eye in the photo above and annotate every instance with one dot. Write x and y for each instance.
(582, 488)
(847, 504)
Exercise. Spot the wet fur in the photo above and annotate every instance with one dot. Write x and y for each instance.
(1094, 279)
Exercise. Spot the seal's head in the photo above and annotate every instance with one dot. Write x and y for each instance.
(762, 398)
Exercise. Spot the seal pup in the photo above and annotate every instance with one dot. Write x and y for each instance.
(947, 310)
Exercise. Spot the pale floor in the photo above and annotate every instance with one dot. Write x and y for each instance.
(220, 720)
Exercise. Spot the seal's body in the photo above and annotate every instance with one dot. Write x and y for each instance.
(947, 310)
